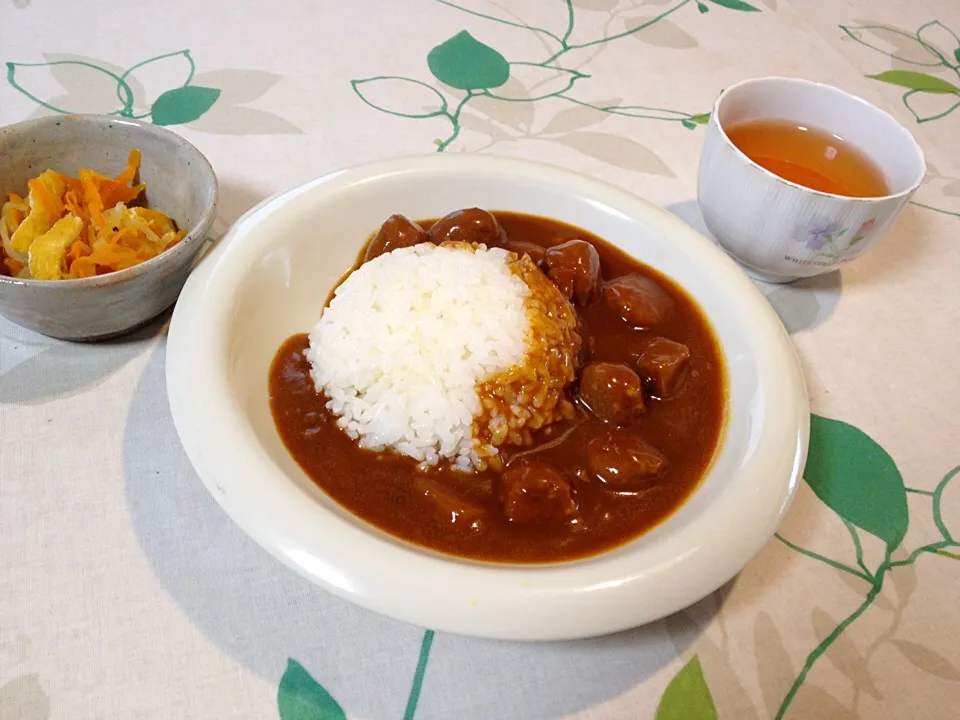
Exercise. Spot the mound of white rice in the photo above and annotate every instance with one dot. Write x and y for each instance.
(408, 337)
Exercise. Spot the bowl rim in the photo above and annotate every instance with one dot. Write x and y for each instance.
(197, 233)
(286, 522)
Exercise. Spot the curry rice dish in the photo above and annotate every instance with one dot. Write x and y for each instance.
(503, 387)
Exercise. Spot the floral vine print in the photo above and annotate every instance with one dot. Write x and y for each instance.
(176, 106)
(832, 242)
(476, 70)
(934, 47)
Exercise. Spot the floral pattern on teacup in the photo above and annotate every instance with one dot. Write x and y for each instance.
(830, 241)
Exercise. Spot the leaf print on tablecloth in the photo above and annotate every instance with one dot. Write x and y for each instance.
(928, 96)
(816, 703)
(857, 479)
(464, 63)
(230, 115)
(662, 33)
(157, 75)
(927, 659)
(182, 105)
(926, 107)
(241, 120)
(940, 39)
(543, 81)
(904, 579)
(736, 5)
(103, 99)
(86, 88)
(916, 81)
(400, 96)
(600, 5)
(165, 89)
(861, 586)
(617, 150)
(578, 117)
(843, 653)
(517, 114)
(300, 697)
(774, 668)
(238, 86)
(835, 448)
(483, 126)
(488, 79)
(23, 699)
(687, 631)
(892, 41)
(687, 696)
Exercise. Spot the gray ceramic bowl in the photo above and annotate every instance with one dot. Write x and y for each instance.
(180, 183)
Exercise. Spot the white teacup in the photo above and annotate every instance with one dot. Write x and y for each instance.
(779, 230)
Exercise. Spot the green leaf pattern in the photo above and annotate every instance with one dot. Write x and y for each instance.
(847, 470)
(464, 63)
(175, 106)
(300, 697)
(857, 479)
(916, 81)
(922, 49)
(431, 103)
(736, 5)
(475, 75)
(687, 696)
(182, 105)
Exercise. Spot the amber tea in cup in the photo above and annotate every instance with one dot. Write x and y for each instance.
(797, 178)
(809, 156)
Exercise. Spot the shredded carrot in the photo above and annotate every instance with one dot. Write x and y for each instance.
(130, 171)
(70, 183)
(129, 230)
(13, 266)
(83, 267)
(116, 256)
(77, 250)
(72, 204)
(91, 197)
(111, 192)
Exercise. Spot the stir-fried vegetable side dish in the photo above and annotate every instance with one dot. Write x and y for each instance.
(80, 227)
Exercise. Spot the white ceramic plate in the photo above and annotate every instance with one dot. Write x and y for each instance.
(269, 278)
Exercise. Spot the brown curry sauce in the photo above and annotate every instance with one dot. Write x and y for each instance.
(387, 490)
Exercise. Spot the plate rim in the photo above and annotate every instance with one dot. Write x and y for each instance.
(408, 603)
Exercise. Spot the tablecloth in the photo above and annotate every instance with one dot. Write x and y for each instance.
(126, 593)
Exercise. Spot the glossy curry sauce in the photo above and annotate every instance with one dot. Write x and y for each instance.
(387, 490)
